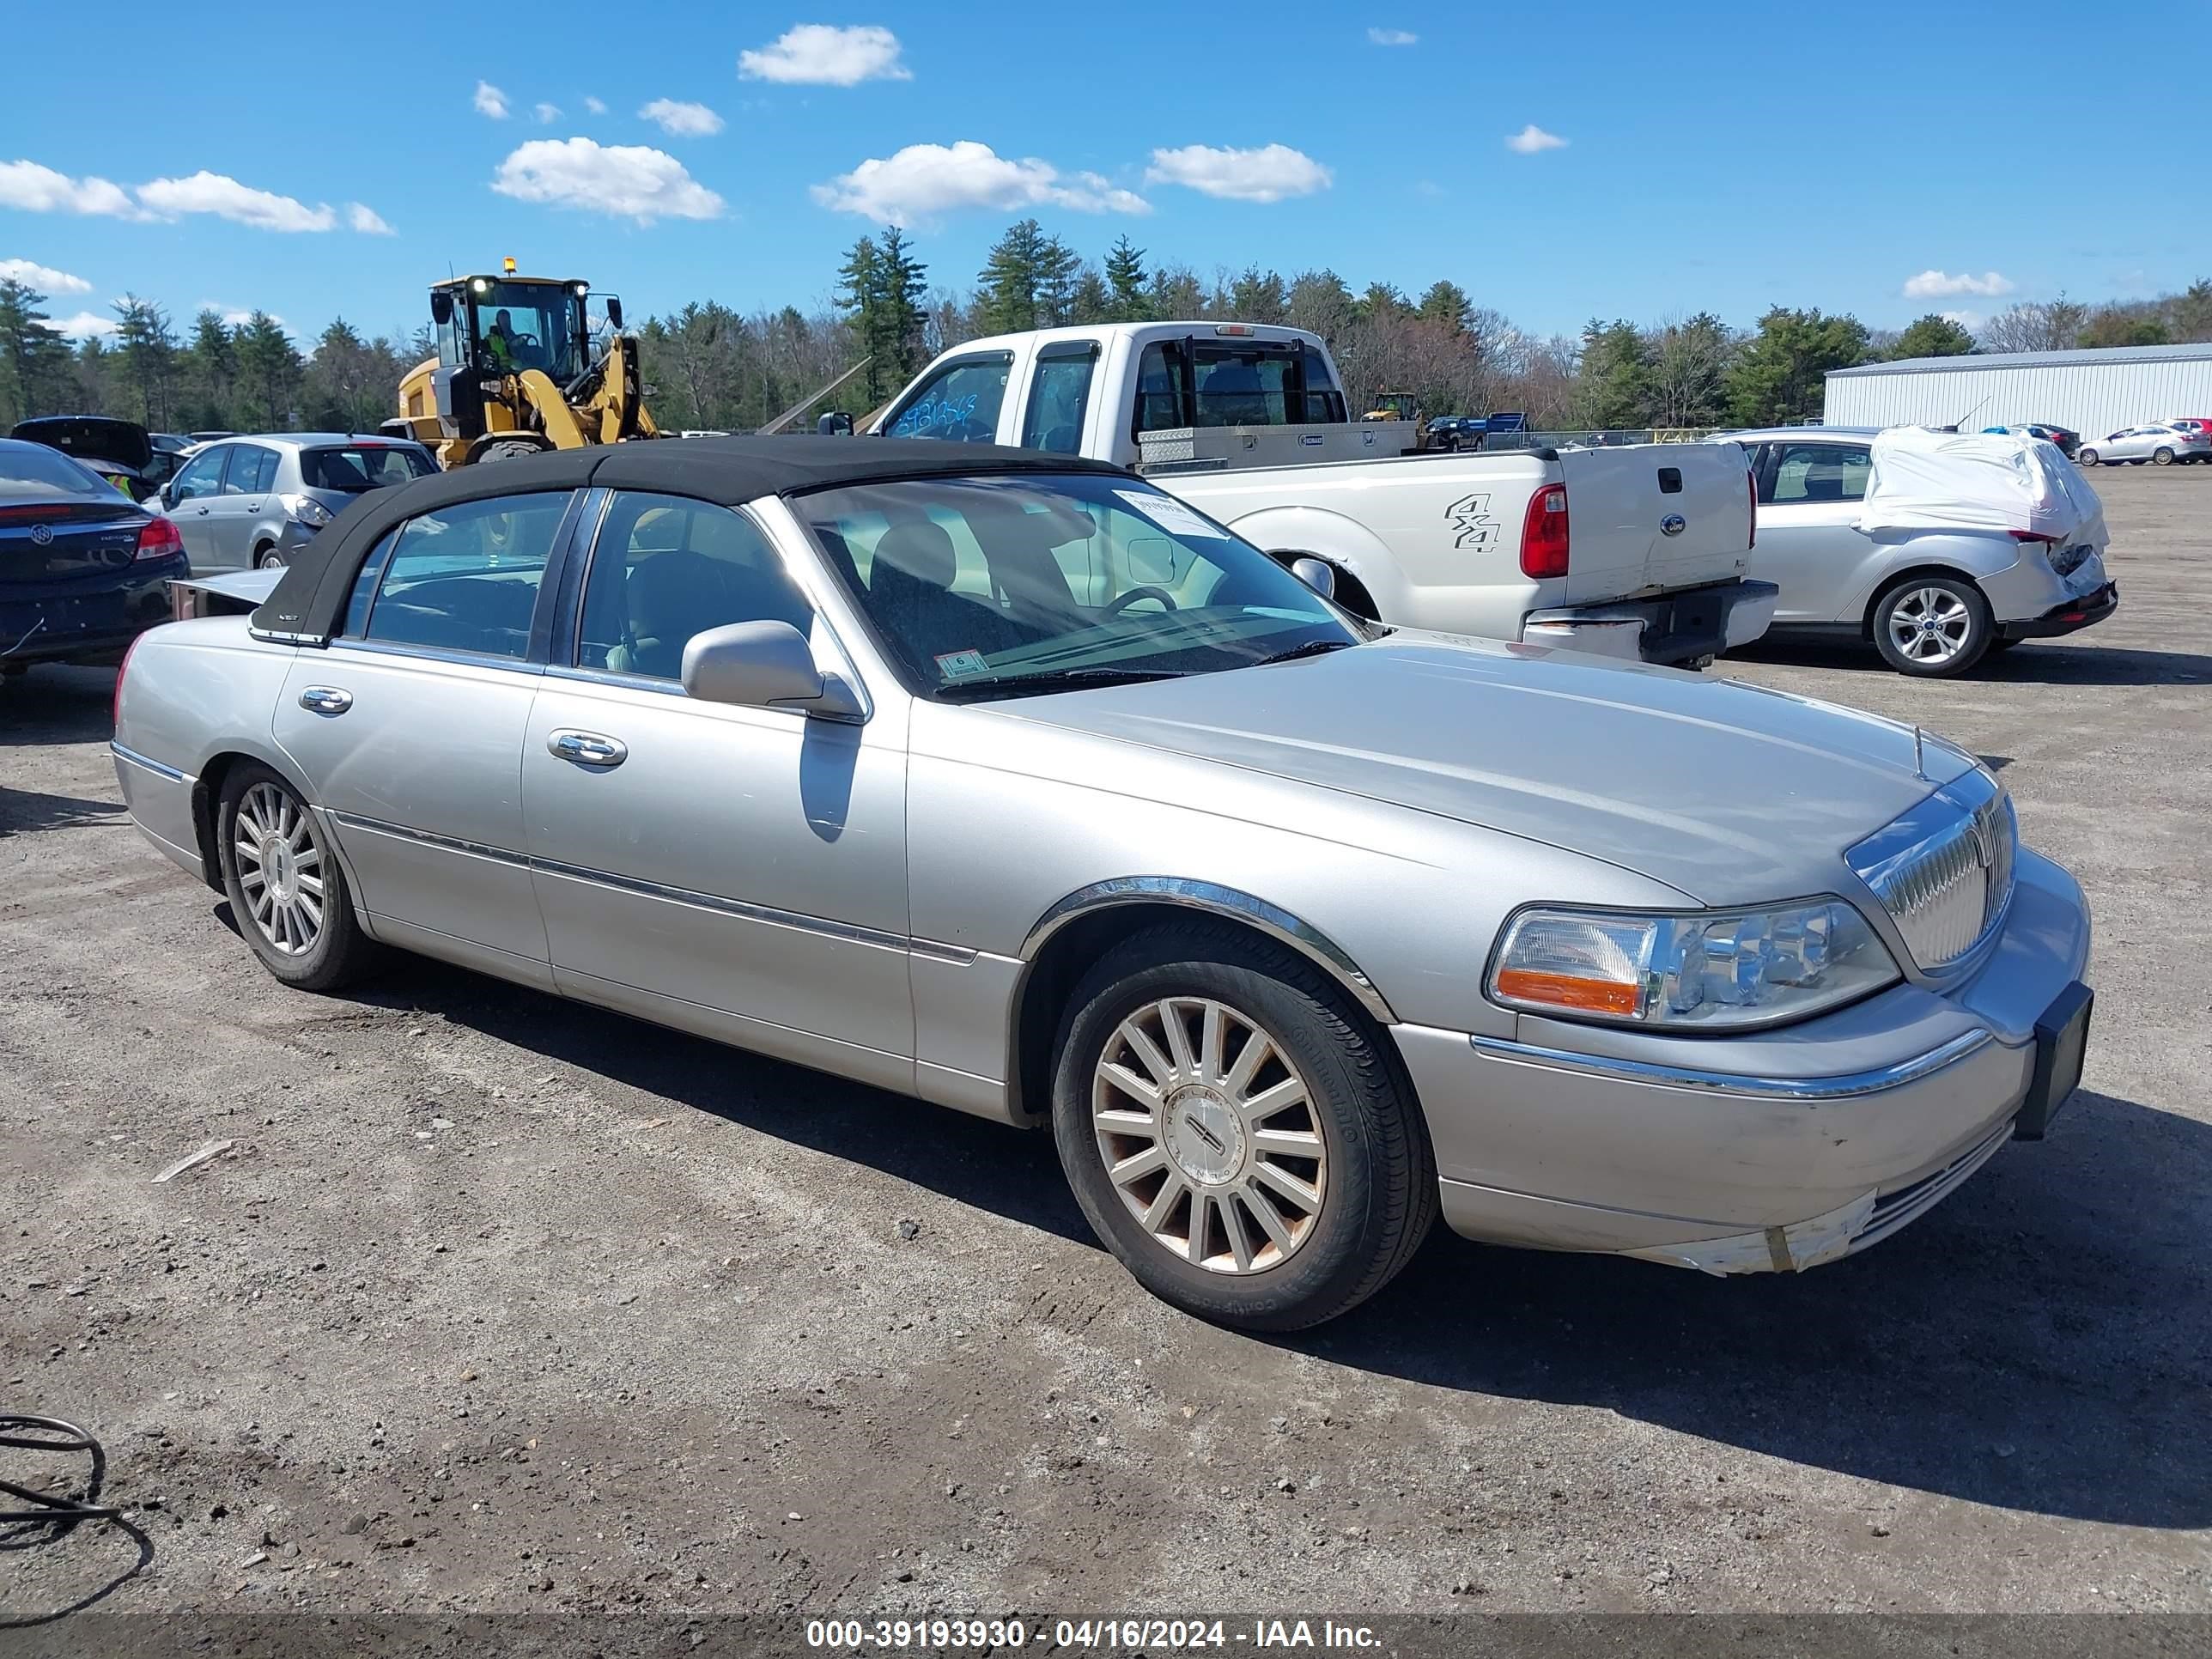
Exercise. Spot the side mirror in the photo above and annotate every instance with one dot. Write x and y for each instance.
(764, 665)
(613, 313)
(441, 306)
(1316, 574)
(835, 424)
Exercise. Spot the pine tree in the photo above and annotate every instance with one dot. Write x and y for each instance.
(1259, 296)
(1058, 267)
(1011, 277)
(35, 359)
(1446, 304)
(902, 289)
(1125, 277)
(146, 351)
(269, 370)
(214, 358)
(859, 299)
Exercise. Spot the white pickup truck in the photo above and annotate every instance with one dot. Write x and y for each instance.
(1639, 551)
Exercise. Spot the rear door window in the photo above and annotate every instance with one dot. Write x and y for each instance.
(253, 471)
(1060, 400)
(1806, 473)
(466, 577)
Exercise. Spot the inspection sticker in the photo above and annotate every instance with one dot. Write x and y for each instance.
(958, 665)
(1172, 515)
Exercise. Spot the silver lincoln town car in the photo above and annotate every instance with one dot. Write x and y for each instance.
(1006, 780)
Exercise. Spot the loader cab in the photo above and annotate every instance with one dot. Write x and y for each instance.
(505, 324)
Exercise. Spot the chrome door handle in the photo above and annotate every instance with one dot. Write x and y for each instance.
(587, 747)
(325, 699)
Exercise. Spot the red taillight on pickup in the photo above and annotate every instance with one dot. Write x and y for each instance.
(1544, 534)
(159, 540)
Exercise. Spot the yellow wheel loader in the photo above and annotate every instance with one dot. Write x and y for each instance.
(516, 373)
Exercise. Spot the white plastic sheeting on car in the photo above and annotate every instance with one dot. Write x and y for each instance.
(1929, 480)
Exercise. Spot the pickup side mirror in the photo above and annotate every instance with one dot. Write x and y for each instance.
(835, 424)
(764, 665)
(1316, 574)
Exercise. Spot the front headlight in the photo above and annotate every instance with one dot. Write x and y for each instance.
(1704, 970)
(308, 510)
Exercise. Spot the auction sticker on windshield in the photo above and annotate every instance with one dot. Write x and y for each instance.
(1172, 515)
(958, 665)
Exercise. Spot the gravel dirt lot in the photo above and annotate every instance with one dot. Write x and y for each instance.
(500, 1302)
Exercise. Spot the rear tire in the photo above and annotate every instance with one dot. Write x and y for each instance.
(2163, 456)
(508, 449)
(1230, 1218)
(1933, 627)
(287, 890)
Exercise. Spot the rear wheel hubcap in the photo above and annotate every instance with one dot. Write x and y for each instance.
(280, 868)
(1929, 624)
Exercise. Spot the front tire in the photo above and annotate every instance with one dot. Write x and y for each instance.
(286, 889)
(1933, 627)
(2086, 457)
(1236, 1133)
(268, 558)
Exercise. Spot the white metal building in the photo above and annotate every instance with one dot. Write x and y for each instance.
(2091, 392)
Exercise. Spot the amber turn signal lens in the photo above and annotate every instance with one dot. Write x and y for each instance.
(1591, 996)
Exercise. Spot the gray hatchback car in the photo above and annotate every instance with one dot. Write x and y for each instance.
(247, 503)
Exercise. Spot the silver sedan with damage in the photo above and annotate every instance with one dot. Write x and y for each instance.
(1009, 782)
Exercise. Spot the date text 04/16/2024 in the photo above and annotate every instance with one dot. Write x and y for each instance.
(1081, 1634)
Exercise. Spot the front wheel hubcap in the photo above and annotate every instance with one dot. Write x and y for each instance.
(280, 868)
(1210, 1135)
(1929, 625)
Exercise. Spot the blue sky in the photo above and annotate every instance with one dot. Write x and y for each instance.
(321, 161)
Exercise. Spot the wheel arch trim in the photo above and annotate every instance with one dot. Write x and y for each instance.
(1213, 898)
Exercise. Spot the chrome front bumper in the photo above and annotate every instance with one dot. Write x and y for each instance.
(1771, 1151)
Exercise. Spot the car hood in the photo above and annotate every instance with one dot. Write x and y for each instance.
(1729, 792)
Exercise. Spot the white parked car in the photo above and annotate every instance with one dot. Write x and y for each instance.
(1963, 568)
(1640, 551)
(2158, 443)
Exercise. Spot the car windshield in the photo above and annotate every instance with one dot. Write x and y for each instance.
(526, 325)
(359, 467)
(1011, 586)
(32, 474)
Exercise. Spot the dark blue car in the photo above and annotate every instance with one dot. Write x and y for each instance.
(83, 570)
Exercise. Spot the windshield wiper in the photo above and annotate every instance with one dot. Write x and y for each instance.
(1058, 679)
(1310, 649)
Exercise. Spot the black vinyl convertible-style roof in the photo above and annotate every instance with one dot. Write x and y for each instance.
(311, 597)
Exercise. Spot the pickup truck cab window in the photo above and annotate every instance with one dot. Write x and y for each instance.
(1202, 382)
(666, 568)
(1060, 398)
(466, 577)
(960, 402)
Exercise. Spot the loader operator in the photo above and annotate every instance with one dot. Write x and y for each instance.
(500, 343)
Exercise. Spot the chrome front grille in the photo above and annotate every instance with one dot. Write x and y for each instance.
(1944, 870)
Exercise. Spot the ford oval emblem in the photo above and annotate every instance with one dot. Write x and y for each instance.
(42, 535)
(1673, 525)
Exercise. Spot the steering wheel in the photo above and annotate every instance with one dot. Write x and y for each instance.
(1121, 602)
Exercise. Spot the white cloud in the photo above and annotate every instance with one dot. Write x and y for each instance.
(1532, 138)
(45, 278)
(366, 220)
(35, 189)
(923, 181)
(225, 198)
(1969, 321)
(680, 120)
(594, 107)
(817, 55)
(1266, 174)
(629, 181)
(84, 325)
(1392, 37)
(237, 318)
(547, 114)
(1941, 284)
(490, 100)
